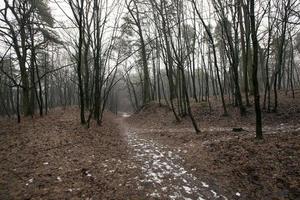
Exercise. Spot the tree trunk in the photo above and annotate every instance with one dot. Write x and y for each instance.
(254, 75)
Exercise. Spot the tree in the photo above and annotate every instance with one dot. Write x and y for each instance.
(77, 8)
(25, 27)
(254, 72)
(212, 42)
(135, 15)
(231, 40)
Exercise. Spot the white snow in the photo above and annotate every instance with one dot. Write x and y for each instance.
(29, 181)
(163, 170)
(155, 194)
(214, 193)
(187, 189)
(204, 184)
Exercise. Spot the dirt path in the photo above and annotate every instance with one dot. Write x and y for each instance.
(55, 157)
(162, 173)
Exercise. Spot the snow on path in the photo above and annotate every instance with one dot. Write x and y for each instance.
(163, 175)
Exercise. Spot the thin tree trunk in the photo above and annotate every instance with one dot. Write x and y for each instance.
(254, 75)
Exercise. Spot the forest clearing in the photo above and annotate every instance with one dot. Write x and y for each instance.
(150, 99)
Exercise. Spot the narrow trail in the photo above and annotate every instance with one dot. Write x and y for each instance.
(162, 173)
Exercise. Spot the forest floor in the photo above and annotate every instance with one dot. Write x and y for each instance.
(54, 157)
(150, 156)
(234, 163)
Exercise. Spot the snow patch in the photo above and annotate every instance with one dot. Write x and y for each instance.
(187, 189)
(204, 184)
(59, 179)
(162, 169)
(29, 181)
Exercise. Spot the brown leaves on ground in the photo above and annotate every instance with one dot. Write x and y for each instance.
(160, 116)
(267, 169)
(236, 163)
(54, 157)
